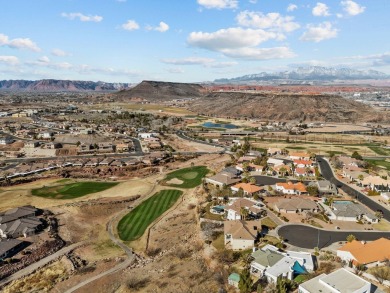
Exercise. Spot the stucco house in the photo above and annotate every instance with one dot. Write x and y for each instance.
(241, 235)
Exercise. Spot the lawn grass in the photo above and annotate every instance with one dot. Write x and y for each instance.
(268, 223)
(380, 163)
(219, 242)
(72, 190)
(133, 225)
(295, 148)
(380, 151)
(191, 176)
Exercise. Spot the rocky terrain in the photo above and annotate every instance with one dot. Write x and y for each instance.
(285, 107)
(54, 85)
(156, 91)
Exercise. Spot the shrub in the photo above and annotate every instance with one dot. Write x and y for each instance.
(137, 283)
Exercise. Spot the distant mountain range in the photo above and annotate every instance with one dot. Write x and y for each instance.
(54, 85)
(312, 73)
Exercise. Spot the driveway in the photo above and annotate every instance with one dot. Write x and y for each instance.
(309, 237)
(328, 174)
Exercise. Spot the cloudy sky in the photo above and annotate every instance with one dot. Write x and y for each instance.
(188, 40)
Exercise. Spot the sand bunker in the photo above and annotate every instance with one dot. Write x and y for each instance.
(175, 181)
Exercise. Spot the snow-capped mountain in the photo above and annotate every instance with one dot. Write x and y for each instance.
(312, 73)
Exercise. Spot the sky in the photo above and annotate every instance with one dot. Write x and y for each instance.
(188, 40)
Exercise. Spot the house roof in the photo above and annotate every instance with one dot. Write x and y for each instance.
(247, 187)
(303, 162)
(245, 230)
(296, 204)
(375, 180)
(341, 281)
(7, 245)
(295, 186)
(266, 258)
(366, 253)
(300, 155)
(224, 178)
(244, 203)
(348, 209)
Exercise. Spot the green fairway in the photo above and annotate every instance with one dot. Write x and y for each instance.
(72, 190)
(133, 225)
(380, 163)
(191, 177)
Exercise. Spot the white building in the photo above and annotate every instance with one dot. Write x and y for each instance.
(340, 281)
(6, 140)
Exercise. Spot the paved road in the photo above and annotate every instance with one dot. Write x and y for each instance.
(309, 237)
(31, 268)
(328, 174)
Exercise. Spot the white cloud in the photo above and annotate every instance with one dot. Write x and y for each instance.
(44, 59)
(162, 27)
(253, 1)
(121, 1)
(175, 70)
(130, 25)
(321, 9)
(218, 4)
(352, 8)
(59, 53)
(375, 59)
(9, 60)
(82, 17)
(292, 7)
(224, 64)
(19, 43)
(230, 38)
(323, 31)
(267, 21)
(188, 61)
(259, 53)
(240, 43)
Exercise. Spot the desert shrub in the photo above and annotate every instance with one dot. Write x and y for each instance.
(153, 251)
(137, 283)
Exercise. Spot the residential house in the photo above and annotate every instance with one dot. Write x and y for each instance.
(271, 264)
(325, 187)
(355, 175)
(254, 209)
(6, 140)
(10, 247)
(344, 210)
(32, 144)
(339, 281)
(106, 162)
(296, 205)
(241, 235)
(234, 279)
(280, 170)
(348, 161)
(274, 151)
(291, 188)
(248, 189)
(299, 156)
(21, 227)
(222, 179)
(232, 170)
(53, 145)
(274, 162)
(374, 182)
(304, 172)
(303, 163)
(370, 254)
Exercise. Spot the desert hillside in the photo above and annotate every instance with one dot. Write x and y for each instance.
(284, 107)
(157, 91)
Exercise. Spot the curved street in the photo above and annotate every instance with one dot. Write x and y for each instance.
(328, 174)
(308, 237)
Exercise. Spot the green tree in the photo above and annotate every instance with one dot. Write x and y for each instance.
(246, 146)
(351, 237)
(312, 190)
(246, 283)
(244, 213)
(356, 156)
(252, 180)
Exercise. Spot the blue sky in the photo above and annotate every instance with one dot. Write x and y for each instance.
(188, 40)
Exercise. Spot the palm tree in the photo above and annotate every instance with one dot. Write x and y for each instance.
(244, 213)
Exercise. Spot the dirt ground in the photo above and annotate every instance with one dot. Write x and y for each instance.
(170, 252)
(183, 145)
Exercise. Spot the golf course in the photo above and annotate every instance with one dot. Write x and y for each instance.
(72, 190)
(133, 225)
(186, 178)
